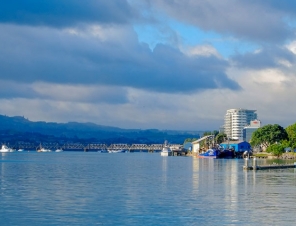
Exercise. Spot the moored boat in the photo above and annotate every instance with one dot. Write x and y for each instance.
(210, 153)
(4, 148)
(44, 150)
(216, 153)
(166, 151)
(116, 151)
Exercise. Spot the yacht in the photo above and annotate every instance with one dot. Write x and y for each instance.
(59, 150)
(4, 148)
(166, 151)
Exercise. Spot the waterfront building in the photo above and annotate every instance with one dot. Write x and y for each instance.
(235, 120)
(207, 140)
(249, 130)
(238, 146)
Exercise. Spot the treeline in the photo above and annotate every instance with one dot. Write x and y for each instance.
(274, 138)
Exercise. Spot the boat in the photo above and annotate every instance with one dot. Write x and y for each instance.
(4, 148)
(210, 153)
(44, 150)
(116, 151)
(226, 154)
(20, 150)
(217, 153)
(59, 150)
(166, 151)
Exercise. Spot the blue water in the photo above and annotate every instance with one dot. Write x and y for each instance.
(78, 188)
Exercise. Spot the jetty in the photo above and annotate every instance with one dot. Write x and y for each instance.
(252, 165)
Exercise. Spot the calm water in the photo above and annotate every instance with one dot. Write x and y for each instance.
(140, 189)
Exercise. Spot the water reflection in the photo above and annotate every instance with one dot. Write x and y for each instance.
(195, 175)
(135, 189)
(164, 168)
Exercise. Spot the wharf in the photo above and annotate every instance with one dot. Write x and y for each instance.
(247, 165)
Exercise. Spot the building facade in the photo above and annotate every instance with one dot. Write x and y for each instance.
(235, 120)
(237, 146)
(249, 130)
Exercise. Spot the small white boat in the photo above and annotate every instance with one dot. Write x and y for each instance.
(166, 151)
(4, 148)
(20, 150)
(116, 151)
(59, 150)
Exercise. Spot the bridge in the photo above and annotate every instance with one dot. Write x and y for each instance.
(92, 146)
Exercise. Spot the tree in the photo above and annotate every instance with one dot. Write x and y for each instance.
(220, 138)
(268, 135)
(291, 131)
(276, 149)
(215, 132)
(189, 140)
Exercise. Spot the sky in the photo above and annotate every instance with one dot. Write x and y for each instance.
(143, 64)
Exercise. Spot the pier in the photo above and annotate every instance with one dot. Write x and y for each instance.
(252, 165)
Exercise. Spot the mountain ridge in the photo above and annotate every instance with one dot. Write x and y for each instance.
(77, 131)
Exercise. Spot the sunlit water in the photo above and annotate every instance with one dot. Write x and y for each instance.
(77, 188)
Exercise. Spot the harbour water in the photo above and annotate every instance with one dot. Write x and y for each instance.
(78, 188)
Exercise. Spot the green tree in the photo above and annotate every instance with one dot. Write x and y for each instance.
(276, 149)
(291, 131)
(268, 135)
(207, 133)
(221, 137)
(189, 140)
(215, 132)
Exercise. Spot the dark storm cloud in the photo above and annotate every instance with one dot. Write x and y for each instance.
(259, 21)
(48, 55)
(268, 57)
(60, 13)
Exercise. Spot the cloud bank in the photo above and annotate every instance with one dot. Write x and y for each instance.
(86, 61)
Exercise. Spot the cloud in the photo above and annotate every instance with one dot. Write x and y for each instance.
(65, 13)
(71, 60)
(109, 56)
(258, 21)
(67, 93)
(267, 57)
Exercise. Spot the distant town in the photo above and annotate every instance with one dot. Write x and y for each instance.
(241, 132)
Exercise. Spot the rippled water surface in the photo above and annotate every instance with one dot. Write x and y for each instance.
(78, 188)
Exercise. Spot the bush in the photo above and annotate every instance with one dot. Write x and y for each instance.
(276, 149)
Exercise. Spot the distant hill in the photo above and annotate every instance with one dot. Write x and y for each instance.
(18, 128)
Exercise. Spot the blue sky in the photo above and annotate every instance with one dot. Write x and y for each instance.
(148, 64)
(191, 36)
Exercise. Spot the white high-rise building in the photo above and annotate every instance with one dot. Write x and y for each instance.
(235, 120)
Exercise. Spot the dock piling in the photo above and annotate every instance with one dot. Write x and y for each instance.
(254, 163)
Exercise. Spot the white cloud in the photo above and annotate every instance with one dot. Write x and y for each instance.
(202, 50)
